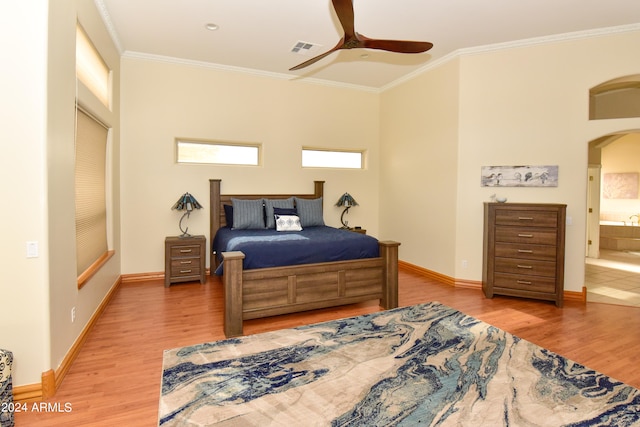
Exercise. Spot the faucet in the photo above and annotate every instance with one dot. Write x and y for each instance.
(636, 216)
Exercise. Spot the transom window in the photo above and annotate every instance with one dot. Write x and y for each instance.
(323, 158)
(91, 68)
(221, 153)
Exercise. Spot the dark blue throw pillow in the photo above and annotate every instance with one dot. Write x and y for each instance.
(285, 211)
(228, 213)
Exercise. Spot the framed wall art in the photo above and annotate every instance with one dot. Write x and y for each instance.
(620, 185)
(519, 176)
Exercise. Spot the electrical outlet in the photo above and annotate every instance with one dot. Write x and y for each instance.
(465, 263)
(73, 314)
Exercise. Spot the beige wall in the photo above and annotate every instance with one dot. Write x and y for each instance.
(519, 106)
(38, 135)
(162, 101)
(621, 156)
(24, 286)
(419, 134)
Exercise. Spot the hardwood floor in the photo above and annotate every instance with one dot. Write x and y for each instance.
(116, 378)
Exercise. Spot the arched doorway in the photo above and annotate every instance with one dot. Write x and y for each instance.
(612, 250)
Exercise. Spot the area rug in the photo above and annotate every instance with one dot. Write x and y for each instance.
(421, 365)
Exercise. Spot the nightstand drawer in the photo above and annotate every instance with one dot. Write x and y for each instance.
(185, 251)
(183, 271)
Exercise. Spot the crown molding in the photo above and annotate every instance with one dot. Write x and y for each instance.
(108, 22)
(228, 68)
(536, 41)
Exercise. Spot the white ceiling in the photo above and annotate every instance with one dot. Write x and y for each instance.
(258, 35)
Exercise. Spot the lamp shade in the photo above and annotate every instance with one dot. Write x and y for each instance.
(186, 202)
(347, 201)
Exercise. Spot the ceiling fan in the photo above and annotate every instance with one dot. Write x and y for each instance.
(354, 40)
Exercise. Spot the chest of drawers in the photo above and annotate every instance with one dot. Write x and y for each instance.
(184, 259)
(524, 250)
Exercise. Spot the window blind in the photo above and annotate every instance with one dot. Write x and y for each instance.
(91, 211)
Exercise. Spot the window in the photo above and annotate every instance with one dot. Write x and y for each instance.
(221, 153)
(320, 158)
(91, 163)
(91, 68)
(91, 209)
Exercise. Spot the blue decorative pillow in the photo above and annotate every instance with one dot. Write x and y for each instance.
(270, 204)
(248, 214)
(287, 223)
(285, 211)
(228, 214)
(310, 212)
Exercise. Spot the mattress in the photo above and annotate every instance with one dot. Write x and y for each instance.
(265, 248)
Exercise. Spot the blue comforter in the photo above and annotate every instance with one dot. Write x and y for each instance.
(271, 248)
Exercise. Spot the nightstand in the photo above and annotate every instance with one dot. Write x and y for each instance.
(184, 259)
(358, 230)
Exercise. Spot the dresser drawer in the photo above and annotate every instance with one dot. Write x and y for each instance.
(185, 251)
(527, 218)
(527, 267)
(525, 251)
(534, 236)
(524, 283)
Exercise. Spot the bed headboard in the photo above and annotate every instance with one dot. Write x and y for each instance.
(217, 200)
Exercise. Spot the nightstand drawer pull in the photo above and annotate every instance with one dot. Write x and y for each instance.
(524, 282)
(185, 271)
(525, 218)
(528, 267)
(186, 251)
(525, 251)
(525, 235)
(185, 262)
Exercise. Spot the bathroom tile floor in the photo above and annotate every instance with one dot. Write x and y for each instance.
(614, 278)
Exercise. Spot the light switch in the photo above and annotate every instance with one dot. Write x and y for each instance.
(32, 249)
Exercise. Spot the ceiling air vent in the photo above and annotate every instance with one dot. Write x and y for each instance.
(304, 48)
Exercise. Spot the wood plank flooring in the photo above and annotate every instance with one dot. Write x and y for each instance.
(116, 378)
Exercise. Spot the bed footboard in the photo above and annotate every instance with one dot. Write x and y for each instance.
(265, 292)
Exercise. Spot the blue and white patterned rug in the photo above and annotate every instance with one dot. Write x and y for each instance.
(422, 365)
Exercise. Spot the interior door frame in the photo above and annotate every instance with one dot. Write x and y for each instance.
(592, 244)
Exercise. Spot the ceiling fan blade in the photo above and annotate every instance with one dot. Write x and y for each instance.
(399, 46)
(344, 10)
(318, 58)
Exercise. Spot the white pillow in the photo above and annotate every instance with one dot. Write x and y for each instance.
(288, 223)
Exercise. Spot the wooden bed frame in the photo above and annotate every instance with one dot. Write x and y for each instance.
(265, 292)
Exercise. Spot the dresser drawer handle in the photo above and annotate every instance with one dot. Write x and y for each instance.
(525, 251)
(525, 235)
(185, 271)
(186, 251)
(525, 266)
(523, 282)
(185, 262)
(525, 218)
